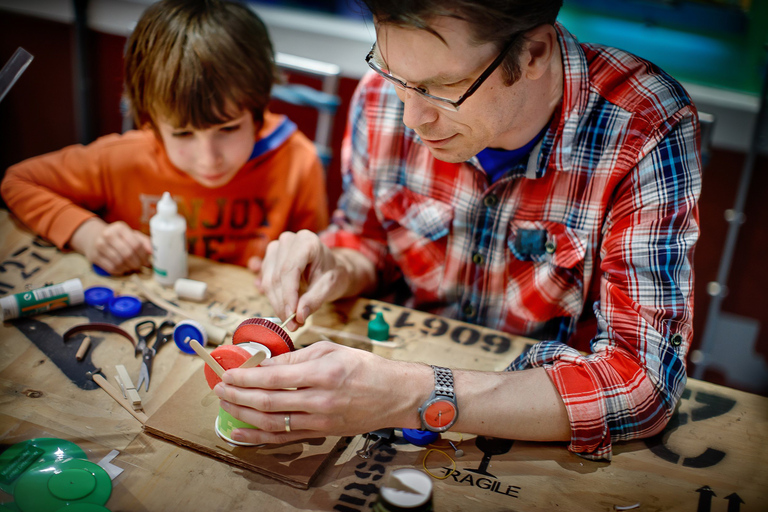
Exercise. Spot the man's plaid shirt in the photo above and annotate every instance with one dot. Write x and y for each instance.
(594, 230)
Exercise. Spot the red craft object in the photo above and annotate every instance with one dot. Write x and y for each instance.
(266, 332)
(228, 356)
(257, 330)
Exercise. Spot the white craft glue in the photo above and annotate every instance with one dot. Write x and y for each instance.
(168, 231)
(43, 299)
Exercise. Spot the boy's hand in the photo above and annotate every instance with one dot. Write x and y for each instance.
(114, 247)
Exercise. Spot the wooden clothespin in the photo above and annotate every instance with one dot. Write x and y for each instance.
(129, 389)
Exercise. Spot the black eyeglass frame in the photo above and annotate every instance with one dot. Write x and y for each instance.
(444, 103)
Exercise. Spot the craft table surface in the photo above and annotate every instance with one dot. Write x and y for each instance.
(711, 456)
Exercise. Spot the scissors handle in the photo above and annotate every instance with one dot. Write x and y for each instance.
(143, 333)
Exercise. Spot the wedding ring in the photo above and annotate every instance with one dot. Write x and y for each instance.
(287, 422)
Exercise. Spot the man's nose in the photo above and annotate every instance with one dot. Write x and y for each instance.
(417, 111)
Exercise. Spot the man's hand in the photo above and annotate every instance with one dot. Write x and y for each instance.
(299, 273)
(327, 389)
(114, 247)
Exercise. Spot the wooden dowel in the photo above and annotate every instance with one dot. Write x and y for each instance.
(210, 361)
(282, 325)
(115, 394)
(83, 348)
(254, 360)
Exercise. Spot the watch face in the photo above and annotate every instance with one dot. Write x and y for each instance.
(440, 414)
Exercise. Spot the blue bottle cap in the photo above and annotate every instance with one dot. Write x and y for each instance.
(419, 437)
(98, 295)
(100, 270)
(189, 330)
(125, 306)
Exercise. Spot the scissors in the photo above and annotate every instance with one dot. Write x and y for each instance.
(144, 331)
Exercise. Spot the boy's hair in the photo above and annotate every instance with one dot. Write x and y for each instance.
(492, 21)
(198, 63)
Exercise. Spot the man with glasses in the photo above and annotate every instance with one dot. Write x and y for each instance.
(511, 177)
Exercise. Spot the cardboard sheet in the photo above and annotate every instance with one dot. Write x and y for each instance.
(188, 419)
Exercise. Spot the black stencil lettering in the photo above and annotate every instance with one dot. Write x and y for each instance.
(40, 258)
(714, 405)
(344, 508)
(352, 500)
(364, 489)
(710, 457)
(496, 344)
(432, 329)
(43, 244)
(402, 320)
(27, 275)
(465, 335)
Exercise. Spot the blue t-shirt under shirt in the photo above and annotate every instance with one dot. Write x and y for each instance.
(497, 162)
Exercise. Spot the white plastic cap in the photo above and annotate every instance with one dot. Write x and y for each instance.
(166, 205)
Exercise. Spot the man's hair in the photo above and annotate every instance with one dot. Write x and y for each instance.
(492, 21)
(198, 63)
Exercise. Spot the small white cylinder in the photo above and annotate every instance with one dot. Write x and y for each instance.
(190, 289)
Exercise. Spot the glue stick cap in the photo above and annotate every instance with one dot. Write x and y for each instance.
(98, 296)
(125, 306)
(378, 328)
(188, 330)
(419, 437)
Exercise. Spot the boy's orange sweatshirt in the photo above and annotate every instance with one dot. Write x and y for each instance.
(121, 177)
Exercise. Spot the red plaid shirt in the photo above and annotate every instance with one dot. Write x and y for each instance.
(594, 230)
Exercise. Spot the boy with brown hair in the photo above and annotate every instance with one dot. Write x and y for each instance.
(198, 75)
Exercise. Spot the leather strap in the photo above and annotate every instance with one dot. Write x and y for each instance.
(99, 326)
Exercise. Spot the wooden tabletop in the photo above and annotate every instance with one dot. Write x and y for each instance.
(711, 456)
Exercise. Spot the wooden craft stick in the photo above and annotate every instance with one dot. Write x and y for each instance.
(216, 335)
(282, 325)
(210, 361)
(115, 394)
(83, 348)
(254, 360)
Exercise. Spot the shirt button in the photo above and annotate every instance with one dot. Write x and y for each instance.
(478, 259)
(469, 310)
(676, 339)
(491, 200)
(550, 247)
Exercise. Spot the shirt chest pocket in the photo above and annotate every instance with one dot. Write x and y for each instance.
(545, 268)
(417, 229)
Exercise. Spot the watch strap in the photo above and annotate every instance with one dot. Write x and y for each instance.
(444, 382)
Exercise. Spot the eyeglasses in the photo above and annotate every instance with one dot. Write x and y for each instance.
(444, 103)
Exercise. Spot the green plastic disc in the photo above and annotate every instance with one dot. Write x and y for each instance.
(22, 457)
(49, 487)
(72, 484)
(83, 507)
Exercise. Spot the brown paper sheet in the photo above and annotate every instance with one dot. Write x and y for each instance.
(188, 420)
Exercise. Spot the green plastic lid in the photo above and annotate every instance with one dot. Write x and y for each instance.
(378, 328)
(49, 487)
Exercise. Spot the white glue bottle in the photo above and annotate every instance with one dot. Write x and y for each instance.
(168, 231)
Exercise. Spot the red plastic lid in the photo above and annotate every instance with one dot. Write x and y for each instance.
(266, 332)
(228, 356)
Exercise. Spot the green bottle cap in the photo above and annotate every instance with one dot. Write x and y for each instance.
(378, 328)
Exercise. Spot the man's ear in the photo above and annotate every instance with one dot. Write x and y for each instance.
(539, 50)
